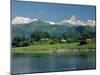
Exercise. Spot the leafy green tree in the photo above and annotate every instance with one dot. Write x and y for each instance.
(20, 41)
(83, 34)
(16, 41)
(37, 35)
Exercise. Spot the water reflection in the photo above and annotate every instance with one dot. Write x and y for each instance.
(26, 63)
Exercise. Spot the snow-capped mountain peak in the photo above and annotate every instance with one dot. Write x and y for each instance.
(22, 20)
(73, 20)
(50, 22)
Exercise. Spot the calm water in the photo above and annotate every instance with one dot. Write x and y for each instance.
(32, 63)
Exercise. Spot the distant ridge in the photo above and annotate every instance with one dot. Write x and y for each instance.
(73, 20)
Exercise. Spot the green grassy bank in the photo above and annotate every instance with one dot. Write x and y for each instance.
(60, 48)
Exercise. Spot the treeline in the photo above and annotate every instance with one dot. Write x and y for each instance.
(37, 37)
(41, 37)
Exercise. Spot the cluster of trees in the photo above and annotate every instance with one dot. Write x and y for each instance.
(38, 37)
(20, 41)
(85, 34)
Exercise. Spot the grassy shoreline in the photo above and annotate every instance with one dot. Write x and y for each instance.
(50, 48)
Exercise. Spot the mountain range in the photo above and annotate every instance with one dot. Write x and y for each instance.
(22, 26)
(73, 20)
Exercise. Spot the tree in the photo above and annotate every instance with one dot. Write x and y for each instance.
(37, 35)
(16, 41)
(83, 34)
(83, 40)
(20, 41)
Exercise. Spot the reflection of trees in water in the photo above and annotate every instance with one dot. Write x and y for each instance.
(35, 63)
(54, 51)
(83, 55)
(85, 63)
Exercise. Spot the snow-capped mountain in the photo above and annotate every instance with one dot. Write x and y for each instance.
(22, 26)
(73, 20)
(22, 20)
(50, 22)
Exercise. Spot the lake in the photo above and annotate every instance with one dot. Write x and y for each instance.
(34, 62)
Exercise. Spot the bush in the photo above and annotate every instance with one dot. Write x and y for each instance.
(69, 40)
(25, 43)
(82, 42)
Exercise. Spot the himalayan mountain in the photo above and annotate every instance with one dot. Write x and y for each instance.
(22, 26)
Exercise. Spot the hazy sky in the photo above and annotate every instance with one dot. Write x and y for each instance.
(52, 12)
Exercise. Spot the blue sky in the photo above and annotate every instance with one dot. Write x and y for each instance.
(52, 12)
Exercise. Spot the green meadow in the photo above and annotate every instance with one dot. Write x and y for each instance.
(49, 48)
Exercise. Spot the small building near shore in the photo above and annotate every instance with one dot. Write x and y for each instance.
(63, 40)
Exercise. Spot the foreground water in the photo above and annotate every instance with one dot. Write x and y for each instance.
(33, 63)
